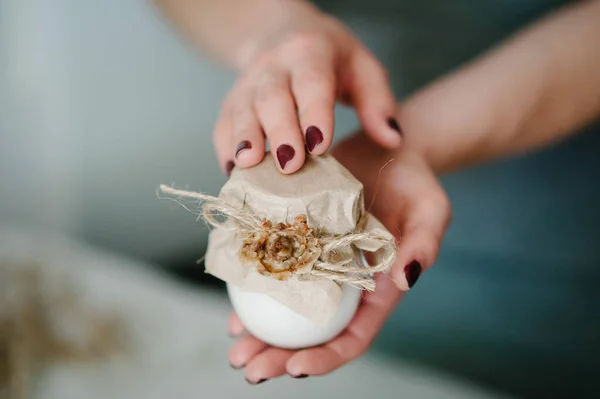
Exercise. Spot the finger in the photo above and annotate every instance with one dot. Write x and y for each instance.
(244, 350)
(313, 85)
(276, 112)
(270, 363)
(248, 138)
(222, 140)
(235, 326)
(357, 338)
(421, 237)
(374, 101)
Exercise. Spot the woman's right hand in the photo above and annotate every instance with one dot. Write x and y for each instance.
(288, 88)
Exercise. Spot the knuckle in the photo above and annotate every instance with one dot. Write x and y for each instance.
(303, 42)
(362, 350)
(316, 89)
(265, 60)
(315, 110)
(436, 202)
(238, 96)
(270, 91)
(443, 204)
(375, 66)
(240, 110)
(293, 46)
(315, 78)
(429, 205)
(233, 103)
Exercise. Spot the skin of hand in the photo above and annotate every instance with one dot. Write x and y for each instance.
(403, 192)
(294, 62)
(287, 91)
(534, 89)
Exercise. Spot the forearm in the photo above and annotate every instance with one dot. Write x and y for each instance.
(231, 30)
(535, 89)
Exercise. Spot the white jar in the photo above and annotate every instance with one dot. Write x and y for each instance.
(276, 325)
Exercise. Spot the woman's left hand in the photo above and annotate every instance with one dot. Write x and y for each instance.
(404, 194)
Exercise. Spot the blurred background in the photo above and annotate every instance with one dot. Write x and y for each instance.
(101, 101)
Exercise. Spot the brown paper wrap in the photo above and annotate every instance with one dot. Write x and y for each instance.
(332, 200)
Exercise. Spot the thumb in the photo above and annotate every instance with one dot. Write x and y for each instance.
(420, 241)
(370, 94)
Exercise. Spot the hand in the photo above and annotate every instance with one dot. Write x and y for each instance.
(287, 92)
(407, 198)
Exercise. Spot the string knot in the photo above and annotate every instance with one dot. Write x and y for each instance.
(282, 250)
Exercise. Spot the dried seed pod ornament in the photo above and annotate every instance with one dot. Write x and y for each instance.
(290, 248)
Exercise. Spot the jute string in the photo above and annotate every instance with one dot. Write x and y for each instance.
(344, 271)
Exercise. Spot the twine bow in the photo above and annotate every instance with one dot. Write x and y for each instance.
(285, 249)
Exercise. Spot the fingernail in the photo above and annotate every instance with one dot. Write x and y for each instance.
(229, 167)
(300, 376)
(243, 145)
(285, 153)
(235, 367)
(412, 271)
(393, 124)
(314, 137)
(257, 382)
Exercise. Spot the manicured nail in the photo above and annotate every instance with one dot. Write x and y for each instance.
(314, 137)
(412, 271)
(285, 153)
(346, 98)
(393, 124)
(243, 145)
(257, 382)
(229, 167)
(300, 376)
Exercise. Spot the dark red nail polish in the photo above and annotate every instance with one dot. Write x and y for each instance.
(229, 167)
(393, 124)
(257, 382)
(346, 98)
(314, 137)
(412, 271)
(243, 145)
(285, 153)
(300, 376)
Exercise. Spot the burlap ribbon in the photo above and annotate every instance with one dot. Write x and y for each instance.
(282, 250)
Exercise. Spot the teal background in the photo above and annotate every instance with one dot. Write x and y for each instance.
(513, 299)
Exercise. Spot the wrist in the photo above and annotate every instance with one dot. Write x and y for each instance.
(531, 91)
(450, 125)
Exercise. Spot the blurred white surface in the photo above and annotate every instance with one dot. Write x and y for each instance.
(180, 343)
